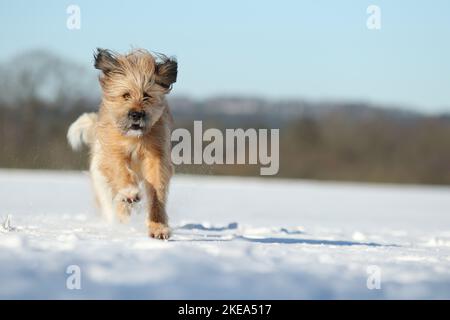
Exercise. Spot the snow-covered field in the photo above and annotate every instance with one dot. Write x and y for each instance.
(233, 238)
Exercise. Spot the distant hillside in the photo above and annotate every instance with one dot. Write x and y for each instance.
(277, 112)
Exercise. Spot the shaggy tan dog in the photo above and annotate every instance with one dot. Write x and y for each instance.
(129, 138)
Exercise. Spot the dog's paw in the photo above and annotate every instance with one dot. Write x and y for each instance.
(123, 211)
(159, 231)
(124, 217)
(129, 195)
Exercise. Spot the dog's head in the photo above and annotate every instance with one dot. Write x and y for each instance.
(134, 86)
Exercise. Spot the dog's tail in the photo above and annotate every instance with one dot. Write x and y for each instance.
(82, 131)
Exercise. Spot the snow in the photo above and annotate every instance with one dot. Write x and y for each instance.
(234, 238)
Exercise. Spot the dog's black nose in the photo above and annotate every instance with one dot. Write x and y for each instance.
(136, 115)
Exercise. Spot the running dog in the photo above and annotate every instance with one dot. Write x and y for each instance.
(129, 138)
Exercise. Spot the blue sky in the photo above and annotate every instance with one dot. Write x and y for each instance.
(317, 50)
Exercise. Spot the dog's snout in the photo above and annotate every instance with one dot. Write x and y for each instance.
(136, 115)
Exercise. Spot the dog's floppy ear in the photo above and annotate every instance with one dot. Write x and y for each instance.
(105, 60)
(166, 72)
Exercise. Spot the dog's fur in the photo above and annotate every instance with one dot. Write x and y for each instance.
(127, 154)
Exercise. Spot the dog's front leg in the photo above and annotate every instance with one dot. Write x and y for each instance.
(123, 183)
(157, 174)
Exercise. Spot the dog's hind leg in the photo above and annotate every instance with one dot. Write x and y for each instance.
(102, 190)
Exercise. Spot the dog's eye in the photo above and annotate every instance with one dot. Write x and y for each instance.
(126, 96)
(147, 96)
